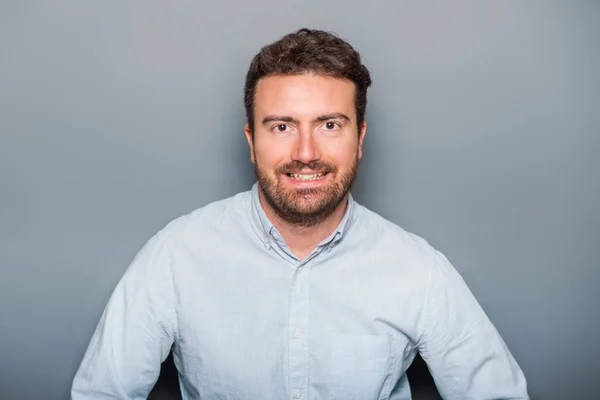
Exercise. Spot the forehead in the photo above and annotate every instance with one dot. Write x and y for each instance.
(305, 94)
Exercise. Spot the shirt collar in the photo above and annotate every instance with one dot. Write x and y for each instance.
(265, 228)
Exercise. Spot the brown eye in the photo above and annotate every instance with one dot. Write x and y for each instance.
(330, 125)
(281, 127)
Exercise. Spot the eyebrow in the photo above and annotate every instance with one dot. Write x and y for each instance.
(320, 118)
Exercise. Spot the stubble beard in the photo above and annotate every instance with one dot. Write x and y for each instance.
(305, 207)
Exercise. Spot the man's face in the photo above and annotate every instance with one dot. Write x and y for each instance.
(306, 145)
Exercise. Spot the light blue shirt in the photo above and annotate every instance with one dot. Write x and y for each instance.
(248, 320)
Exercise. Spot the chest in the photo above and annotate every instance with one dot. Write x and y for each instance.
(266, 329)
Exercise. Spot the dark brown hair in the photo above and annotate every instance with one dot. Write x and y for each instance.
(308, 51)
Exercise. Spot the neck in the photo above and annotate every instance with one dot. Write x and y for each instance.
(303, 240)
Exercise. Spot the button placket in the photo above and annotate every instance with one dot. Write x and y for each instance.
(298, 328)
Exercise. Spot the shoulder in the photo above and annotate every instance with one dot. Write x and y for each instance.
(403, 248)
(217, 217)
(391, 234)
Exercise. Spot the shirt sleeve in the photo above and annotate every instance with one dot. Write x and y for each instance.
(464, 352)
(135, 332)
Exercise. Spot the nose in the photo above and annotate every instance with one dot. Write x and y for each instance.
(306, 148)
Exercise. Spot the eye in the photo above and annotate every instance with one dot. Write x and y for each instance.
(330, 126)
(281, 128)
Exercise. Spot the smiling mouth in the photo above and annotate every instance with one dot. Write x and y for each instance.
(307, 177)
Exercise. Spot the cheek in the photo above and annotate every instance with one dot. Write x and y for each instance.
(344, 155)
(270, 155)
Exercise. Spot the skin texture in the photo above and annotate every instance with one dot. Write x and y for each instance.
(305, 124)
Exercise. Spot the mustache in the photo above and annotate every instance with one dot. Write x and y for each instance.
(298, 166)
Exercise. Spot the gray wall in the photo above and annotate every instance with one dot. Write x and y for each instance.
(116, 117)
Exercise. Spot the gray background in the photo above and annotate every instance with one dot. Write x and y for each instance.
(116, 117)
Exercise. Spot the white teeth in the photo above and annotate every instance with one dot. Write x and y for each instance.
(304, 177)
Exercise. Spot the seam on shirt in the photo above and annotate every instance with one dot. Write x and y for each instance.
(169, 262)
(165, 247)
(422, 319)
(158, 254)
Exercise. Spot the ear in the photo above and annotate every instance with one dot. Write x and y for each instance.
(250, 140)
(361, 138)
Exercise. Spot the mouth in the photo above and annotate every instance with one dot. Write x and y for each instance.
(307, 177)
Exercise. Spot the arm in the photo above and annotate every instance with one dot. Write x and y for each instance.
(135, 332)
(464, 352)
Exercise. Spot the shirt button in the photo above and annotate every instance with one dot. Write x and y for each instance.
(298, 394)
(296, 333)
(300, 269)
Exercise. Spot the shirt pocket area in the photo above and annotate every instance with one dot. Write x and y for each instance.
(361, 366)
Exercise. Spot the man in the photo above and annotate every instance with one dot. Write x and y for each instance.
(292, 290)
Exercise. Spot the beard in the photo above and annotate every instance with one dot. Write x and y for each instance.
(309, 206)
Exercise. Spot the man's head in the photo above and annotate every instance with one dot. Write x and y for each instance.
(305, 99)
